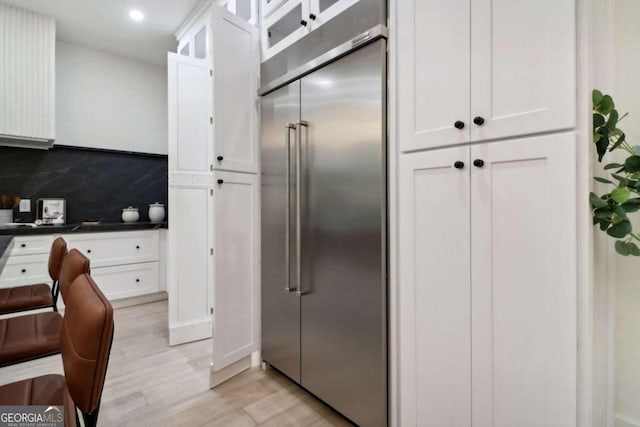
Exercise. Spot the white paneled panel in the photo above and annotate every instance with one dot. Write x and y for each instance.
(524, 283)
(27, 75)
(523, 61)
(435, 325)
(236, 299)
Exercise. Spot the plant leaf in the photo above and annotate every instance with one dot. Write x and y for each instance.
(633, 249)
(613, 166)
(622, 248)
(632, 164)
(603, 180)
(602, 213)
(618, 142)
(613, 120)
(620, 195)
(620, 230)
(596, 201)
(596, 97)
(630, 207)
(598, 120)
(606, 105)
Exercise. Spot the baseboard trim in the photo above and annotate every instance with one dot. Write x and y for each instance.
(225, 374)
(189, 332)
(626, 422)
(138, 300)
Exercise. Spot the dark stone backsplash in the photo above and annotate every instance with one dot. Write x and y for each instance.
(96, 184)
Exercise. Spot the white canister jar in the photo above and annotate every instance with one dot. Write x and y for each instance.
(130, 214)
(156, 212)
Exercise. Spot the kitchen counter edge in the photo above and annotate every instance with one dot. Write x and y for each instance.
(80, 228)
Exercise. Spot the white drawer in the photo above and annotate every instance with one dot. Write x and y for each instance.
(107, 249)
(126, 281)
(30, 245)
(25, 270)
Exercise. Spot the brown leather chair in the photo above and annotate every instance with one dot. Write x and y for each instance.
(38, 335)
(86, 336)
(32, 297)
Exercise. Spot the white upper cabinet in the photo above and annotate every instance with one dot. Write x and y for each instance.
(286, 21)
(27, 78)
(483, 70)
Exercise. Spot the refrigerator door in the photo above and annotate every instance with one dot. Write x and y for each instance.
(343, 312)
(280, 303)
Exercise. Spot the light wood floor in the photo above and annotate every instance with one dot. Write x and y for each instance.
(151, 384)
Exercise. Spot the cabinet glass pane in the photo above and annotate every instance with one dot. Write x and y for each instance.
(326, 4)
(243, 9)
(200, 44)
(285, 26)
(185, 50)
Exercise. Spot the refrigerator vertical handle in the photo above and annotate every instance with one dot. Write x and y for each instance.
(301, 124)
(287, 233)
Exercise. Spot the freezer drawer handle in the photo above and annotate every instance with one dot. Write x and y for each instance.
(305, 125)
(287, 234)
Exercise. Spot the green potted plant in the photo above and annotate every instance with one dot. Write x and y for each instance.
(610, 210)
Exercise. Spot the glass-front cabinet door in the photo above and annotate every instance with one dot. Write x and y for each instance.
(324, 10)
(268, 6)
(284, 27)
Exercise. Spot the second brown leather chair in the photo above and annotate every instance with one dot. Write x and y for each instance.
(86, 335)
(38, 335)
(31, 297)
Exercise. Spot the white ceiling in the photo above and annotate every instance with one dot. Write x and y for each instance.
(105, 24)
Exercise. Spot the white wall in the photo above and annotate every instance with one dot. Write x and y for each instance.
(109, 101)
(626, 92)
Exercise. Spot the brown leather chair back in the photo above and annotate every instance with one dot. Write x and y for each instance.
(74, 265)
(86, 336)
(56, 257)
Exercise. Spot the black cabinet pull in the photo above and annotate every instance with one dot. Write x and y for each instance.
(221, 181)
(24, 245)
(24, 270)
(312, 16)
(220, 158)
(459, 125)
(478, 163)
(458, 165)
(303, 23)
(478, 121)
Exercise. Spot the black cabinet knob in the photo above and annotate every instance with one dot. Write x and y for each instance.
(221, 181)
(312, 16)
(137, 246)
(220, 158)
(478, 121)
(24, 270)
(478, 163)
(459, 125)
(303, 23)
(88, 251)
(137, 280)
(458, 165)
(24, 245)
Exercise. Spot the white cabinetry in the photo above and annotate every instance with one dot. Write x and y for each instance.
(213, 236)
(286, 21)
(123, 264)
(488, 297)
(27, 78)
(483, 70)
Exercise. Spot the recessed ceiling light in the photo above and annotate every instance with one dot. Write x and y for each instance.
(136, 15)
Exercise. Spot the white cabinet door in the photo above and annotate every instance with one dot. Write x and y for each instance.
(268, 6)
(190, 127)
(434, 301)
(433, 73)
(524, 283)
(189, 271)
(235, 92)
(236, 332)
(284, 27)
(523, 67)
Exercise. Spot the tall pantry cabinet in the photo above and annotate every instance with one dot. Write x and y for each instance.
(487, 262)
(213, 244)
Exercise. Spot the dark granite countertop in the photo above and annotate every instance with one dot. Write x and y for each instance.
(79, 228)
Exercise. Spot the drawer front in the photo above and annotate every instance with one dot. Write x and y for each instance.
(126, 281)
(107, 249)
(24, 270)
(30, 245)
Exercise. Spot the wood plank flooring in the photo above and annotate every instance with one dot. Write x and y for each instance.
(151, 384)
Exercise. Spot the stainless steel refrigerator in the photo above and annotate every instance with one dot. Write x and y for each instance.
(324, 221)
